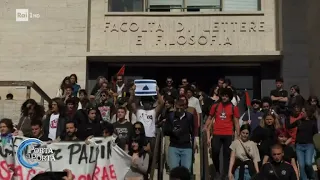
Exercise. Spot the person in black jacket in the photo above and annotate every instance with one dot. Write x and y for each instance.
(180, 127)
(277, 168)
(91, 127)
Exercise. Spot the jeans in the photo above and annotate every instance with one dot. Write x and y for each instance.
(305, 153)
(180, 156)
(216, 143)
(246, 174)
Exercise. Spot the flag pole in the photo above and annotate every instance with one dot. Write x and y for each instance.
(249, 118)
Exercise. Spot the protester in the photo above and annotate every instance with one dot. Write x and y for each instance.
(6, 130)
(54, 124)
(37, 131)
(146, 112)
(277, 168)
(180, 128)
(83, 98)
(139, 133)
(30, 111)
(75, 87)
(224, 117)
(106, 107)
(71, 108)
(295, 97)
(123, 129)
(91, 126)
(71, 130)
(244, 156)
(169, 90)
(295, 115)
(265, 134)
(254, 115)
(279, 97)
(306, 129)
(289, 153)
(61, 90)
(140, 158)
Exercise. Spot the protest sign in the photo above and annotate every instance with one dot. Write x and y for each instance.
(100, 160)
(145, 87)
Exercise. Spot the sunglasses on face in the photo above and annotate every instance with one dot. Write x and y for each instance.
(103, 95)
(137, 128)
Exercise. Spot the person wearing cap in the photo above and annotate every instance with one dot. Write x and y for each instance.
(224, 117)
(253, 116)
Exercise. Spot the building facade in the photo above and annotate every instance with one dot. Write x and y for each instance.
(250, 41)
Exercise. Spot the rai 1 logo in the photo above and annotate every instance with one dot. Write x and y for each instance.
(24, 15)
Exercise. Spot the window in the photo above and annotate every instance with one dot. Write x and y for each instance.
(159, 8)
(126, 5)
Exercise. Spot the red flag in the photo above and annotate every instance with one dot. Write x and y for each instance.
(248, 100)
(121, 71)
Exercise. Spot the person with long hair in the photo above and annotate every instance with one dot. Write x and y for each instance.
(306, 129)
(140, 133)
(209, 100)
(244, 156)
(265, 134)
(30, 111)
(54, 124)
(313, 102)
(74, 83)
(140, 159)
(64, 83)
(289, 154)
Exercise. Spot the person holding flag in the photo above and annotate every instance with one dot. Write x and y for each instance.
(118, 85)
(253, 116)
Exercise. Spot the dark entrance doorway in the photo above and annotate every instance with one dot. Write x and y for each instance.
(205, 75)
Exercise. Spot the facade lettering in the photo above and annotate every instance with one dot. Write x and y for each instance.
(180, 34)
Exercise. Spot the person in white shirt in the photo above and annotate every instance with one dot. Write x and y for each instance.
(195, 103)
(147, 113)
(54, 124)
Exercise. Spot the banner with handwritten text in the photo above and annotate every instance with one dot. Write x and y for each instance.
(100, 160)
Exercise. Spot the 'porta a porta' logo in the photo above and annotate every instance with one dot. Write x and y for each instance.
(31, 151)
(24, 15)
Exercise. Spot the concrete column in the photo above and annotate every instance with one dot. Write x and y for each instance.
(295, 63)
(313, 39)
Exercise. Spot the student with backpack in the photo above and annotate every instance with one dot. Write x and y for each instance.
(224, 118)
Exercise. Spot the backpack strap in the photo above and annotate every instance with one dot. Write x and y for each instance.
(215, 109)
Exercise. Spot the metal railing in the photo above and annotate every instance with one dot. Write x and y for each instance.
(204, 157)
(29, 85)
(149, 6)
(157, 157)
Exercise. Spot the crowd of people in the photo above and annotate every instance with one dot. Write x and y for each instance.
(272, 139)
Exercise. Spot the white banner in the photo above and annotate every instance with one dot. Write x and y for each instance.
(100, 160)
(145, 87)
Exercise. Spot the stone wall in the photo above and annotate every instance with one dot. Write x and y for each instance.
(295, 64)
(44, 49)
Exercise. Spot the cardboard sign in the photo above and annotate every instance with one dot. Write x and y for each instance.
(145, 87)
(100, 160)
